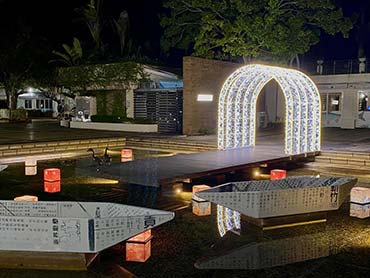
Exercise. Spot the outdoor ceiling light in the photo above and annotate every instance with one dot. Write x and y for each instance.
(202, 97)
(237, 108)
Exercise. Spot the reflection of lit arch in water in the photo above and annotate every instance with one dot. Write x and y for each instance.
(238, 100)
(270, 253)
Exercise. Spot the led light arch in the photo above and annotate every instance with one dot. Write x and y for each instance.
(238, 100)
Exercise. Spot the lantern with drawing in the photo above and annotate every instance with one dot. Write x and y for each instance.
(26, 198)
(200, 207)
(138, 248)
(126, 155)
(277, 174)
(52, 180)
(30, 166)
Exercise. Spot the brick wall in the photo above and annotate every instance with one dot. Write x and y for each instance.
(202, 76)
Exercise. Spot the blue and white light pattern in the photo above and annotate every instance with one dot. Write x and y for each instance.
(227, 220)
(237, 108)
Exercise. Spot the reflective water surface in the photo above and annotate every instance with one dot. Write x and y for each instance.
(190, 246)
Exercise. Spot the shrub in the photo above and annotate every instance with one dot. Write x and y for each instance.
(19, 115)
(118, 119)
(39, 114)
(106, 119)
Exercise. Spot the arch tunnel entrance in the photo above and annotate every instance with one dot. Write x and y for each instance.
(238, 105)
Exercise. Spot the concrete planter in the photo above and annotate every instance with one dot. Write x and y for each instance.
(4, 114)
(115, 126)
(64, 123)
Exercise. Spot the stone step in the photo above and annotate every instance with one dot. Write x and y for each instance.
(360, 172)
(343, 160)
(59, 146)
(343, 154)
(173, 145)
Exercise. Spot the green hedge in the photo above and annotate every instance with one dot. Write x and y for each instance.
(106, 119)
(118, 119)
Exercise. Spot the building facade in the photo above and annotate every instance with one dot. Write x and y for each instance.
(344, 88)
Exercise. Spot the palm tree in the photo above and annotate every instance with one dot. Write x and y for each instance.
(121, 27)
(91, 15)
(72, 55)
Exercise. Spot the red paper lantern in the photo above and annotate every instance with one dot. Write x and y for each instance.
(52, 180)
(126, 153)
(138, 248)
(138, 252)
(277, 174)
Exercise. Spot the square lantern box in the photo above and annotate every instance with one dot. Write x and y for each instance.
(126, 159)
(52, 180)
(138, 248)
(277, 174)
(126, 155)
(360, 195)
(30, 166)
(26, 198)
(360, 202)
(360, 211)
(201, 208)
(198, 188)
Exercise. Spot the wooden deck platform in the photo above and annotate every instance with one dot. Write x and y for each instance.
(156, 171)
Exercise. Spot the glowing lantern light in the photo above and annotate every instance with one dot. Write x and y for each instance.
(30, 166)
(360, 202)
(52, 180)
(138, 248)
(238, 102)
(26, 198)
(277, 174)
(126, 155)
(201, 207)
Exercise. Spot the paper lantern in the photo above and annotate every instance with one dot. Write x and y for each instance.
(198, 188)
(26, 198)
(360, 195)
(126, 155)
(30, 166)
(277, 174)
(142, 237)
(138, 248)
(52, 180)
(201, 208)
(360, 202)
(360, 211)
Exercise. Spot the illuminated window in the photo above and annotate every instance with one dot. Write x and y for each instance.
(208, 98)
(334, 102)
(238, 101)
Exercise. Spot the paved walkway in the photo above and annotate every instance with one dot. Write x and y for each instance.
(47, 131)
(333, 138)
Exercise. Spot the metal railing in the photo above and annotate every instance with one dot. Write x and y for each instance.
(329, 67)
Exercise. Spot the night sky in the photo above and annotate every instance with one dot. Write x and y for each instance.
(56, 21)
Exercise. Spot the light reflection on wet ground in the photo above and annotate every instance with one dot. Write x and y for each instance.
(190, 246)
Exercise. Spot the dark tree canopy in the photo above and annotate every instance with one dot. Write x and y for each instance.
(272, 29)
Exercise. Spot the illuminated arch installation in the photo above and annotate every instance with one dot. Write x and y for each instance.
(237, 108)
